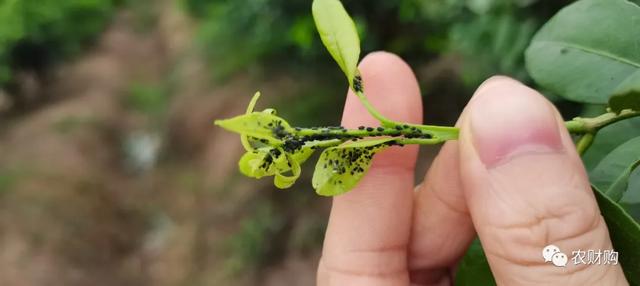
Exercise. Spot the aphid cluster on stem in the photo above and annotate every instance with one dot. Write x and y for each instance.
(357, 83)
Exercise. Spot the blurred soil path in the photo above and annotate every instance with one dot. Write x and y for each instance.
(72, 209)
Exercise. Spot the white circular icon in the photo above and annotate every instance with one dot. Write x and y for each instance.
(549, 251)
(559, 259)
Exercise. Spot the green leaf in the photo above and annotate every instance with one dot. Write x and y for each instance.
(625, 235)
(250, 164)
(627, 94)
(244, 139)
(338, 33)
(612, 173)
(620, 185)
(474, 268)
(269, 161)
(340, 168)
(261, 125)
(609, 138)
(282, 181)
(587, 50)
(262, 162)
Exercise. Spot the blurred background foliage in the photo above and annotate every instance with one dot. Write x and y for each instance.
(111, 172)
(35, 34)
(491, 35)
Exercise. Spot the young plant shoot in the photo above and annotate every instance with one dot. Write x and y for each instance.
(275, 148)
(561, 58)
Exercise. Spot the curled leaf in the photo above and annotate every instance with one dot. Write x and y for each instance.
(243, 138)
(273, 161)
(340, 168)
(283, 181)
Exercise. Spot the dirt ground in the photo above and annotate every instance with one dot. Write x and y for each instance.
(94, 191)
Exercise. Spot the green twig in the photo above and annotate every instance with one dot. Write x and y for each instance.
(587, 128)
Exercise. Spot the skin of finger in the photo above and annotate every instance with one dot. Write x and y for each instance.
(368, 231)
(534, 200)
(442, 228)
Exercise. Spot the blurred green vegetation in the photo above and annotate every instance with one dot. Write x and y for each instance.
(149, 99)
(490, 35)
(34, 34)
(251, 246)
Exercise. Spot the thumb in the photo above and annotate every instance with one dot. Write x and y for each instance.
(526, 188)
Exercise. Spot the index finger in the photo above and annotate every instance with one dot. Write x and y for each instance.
(368, 232)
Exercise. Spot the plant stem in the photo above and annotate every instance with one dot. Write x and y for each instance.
(591, 125)
(431, 134)
(584, 142)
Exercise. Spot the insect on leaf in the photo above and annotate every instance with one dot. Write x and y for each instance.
(261, 125)
(627, 94)
(283, 181)
(259, 162)
(338, 34)
(340, 168)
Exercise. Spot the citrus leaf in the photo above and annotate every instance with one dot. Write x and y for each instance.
(338, 33)
(620, 185)
(610, 138)
(627, 94)
(587, 50)
(474, 268)
(624, 233)
(261, 125)
(340, 168)
(612, 173)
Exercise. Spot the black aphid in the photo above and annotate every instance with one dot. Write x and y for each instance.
(357, 83)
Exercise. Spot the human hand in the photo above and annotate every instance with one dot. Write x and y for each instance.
(513, 177)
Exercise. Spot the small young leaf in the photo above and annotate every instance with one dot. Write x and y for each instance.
(261, 125)
(244, 139)
(625, 235)
(261, 162)
(338, 33)
(620, 185)
(269, 161)
(251, 164)
(612, 168)
(340, 168)
(627, 94)
(281, 181)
